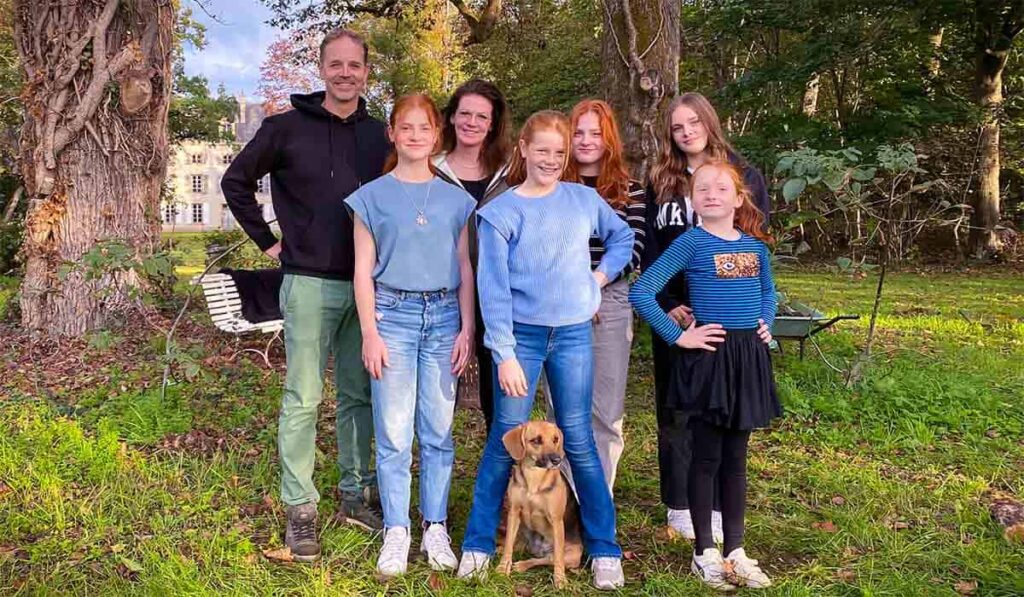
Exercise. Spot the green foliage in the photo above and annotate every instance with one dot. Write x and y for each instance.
(246, 256)
(111, 257)
(197, 115)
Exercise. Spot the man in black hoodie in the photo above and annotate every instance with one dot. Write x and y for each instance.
(317, 154)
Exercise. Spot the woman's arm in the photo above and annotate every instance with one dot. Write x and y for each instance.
(465, 341)
(375, 353)
(654, 278)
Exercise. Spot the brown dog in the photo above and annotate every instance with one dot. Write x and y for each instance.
(539, 498)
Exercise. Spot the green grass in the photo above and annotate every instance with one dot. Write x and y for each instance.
(881, 489)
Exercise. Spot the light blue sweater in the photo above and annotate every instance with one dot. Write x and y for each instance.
(535, 260)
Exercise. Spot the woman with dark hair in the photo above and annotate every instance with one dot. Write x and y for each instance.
(475, 149)
(691, 136)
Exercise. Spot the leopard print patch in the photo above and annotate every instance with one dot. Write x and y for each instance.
(737, 265)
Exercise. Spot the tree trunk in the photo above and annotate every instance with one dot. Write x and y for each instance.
(640, 51)
(93, 151)
(995, 29)
(809, 104)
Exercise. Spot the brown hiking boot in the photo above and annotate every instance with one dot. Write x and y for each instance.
(300, 532)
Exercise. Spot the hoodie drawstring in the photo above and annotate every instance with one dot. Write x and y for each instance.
(330, 143)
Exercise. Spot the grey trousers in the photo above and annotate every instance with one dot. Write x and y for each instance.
(613, 337)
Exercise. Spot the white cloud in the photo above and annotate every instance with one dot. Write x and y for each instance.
(235, 46)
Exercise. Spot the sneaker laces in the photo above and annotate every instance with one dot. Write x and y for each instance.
(304, 528)
(436, 538)
(394, 540)
(606, 564)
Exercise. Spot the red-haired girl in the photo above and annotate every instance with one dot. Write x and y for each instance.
(414, 294)
(723, 379)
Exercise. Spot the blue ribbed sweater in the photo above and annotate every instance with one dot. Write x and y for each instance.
(534, 263)
(730, 282)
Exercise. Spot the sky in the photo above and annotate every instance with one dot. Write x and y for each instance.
(235, 46)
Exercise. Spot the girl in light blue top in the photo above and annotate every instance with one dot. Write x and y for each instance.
(414, 294)
(538, 296)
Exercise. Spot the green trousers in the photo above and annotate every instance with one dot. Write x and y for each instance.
(320, 319)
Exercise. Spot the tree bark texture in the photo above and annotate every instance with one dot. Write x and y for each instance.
(997, 23)
(93, 150)
(640, 53)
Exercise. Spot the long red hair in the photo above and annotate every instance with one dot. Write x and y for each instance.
(748, 217)
(545, 120)
(613, 180)
(406, 104)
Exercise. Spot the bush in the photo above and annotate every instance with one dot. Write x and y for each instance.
(11, 235)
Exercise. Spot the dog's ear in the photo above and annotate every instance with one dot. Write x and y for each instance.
(514, 443)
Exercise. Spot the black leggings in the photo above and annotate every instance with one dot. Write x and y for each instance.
(721, 453)
(675, 440)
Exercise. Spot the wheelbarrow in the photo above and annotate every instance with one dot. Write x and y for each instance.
(797, 321)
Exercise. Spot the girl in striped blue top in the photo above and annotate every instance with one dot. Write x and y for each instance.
(723, 377)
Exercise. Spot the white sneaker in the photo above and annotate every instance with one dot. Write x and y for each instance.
(680, 522)
(607, 573)
(437, 546)
(473, 565)
(746, 571)
(710, 567)
(394, 555)
(717, 534)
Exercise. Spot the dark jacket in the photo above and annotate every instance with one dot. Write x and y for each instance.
(667, 221)
(315, 160)
(495, 187)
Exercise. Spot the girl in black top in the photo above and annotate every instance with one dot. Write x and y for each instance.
(691, 135)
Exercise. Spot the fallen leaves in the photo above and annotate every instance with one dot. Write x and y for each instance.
(129, 569)
(5, 489)
(826, 526)
(283, 554)
(667, 534)
(838, 501)
(436, 582)
(966, 587)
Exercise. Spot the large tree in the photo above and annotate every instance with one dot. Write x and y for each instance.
(93, 151)
(640, 53)
(997, 23)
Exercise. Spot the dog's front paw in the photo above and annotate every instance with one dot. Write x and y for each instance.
(560, 580)
(505, 566)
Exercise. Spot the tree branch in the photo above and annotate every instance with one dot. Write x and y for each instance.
(480, 26)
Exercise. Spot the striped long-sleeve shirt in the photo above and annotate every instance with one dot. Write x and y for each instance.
(535, 262)
(730, 283)
(633, 213)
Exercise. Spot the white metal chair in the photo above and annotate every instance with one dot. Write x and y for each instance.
(225, 308)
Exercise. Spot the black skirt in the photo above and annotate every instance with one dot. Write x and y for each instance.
(732, 387)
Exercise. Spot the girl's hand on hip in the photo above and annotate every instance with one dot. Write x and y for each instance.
(512, 379)
(764, 332)
(375, 355)
(704, 337)
(682, 315)
(600, 278)
(462, 352)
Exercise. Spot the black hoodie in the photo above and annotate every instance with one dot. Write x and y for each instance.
(315, 160)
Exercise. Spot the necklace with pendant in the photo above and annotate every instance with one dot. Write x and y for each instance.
(421, 216)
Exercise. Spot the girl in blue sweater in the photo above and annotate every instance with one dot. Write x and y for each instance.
(723, 376)
(538, 296)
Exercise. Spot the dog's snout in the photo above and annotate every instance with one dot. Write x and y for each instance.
(549, 461)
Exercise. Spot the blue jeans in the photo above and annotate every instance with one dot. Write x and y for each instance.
(565, 354)
(416, 391)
